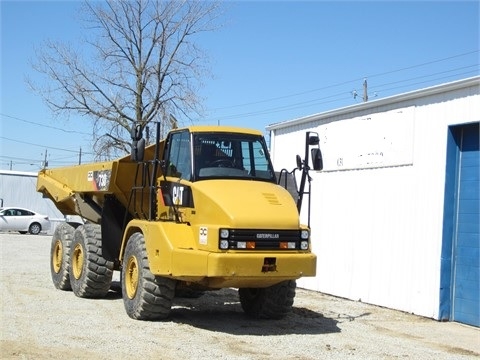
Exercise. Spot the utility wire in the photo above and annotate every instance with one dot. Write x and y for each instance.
(340, 96)
(474, 68)
(346, 82)
(46, 126)
(345, 95)
(44, 146)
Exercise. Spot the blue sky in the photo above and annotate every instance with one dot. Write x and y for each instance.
(272, 61)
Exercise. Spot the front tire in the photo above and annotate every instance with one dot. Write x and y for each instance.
(145, 296)
(90, 274)
(60, 256)
(273, 302)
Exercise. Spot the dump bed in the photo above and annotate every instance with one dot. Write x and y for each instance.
(82, 189)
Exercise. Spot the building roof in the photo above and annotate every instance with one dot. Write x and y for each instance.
(433, 90)
(18, 173)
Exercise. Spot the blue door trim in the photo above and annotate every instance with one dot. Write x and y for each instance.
(449, 210)
(459, 261)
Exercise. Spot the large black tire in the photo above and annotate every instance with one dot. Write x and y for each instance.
(273, 302)
(90, 274)
(145, 296)
(60, 256)
(186, 293)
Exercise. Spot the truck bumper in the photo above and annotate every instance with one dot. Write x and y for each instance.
(258, 270)
(246, 269)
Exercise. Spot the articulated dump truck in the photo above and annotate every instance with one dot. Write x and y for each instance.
(200, 210)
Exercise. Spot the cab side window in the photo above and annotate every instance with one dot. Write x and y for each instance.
(179, 156)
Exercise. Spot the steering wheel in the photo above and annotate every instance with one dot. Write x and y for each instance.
(222, 163)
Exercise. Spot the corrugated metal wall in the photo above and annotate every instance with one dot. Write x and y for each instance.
(377, 226)
(19, 189)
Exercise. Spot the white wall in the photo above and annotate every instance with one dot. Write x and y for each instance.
(377, 228)
(19, 189)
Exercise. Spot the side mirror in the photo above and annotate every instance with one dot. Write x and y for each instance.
(299, 162)
(163, 166)
(138, 150)
(317, 159)
(136, 132)
(313, 139)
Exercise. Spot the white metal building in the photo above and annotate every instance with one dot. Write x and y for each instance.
(18, 189)
(395, 211)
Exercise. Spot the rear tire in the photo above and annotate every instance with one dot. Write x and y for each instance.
(60, 256)
(188, 293)
(90, 274)
(145, 296)
(273, 302)
(35, 228)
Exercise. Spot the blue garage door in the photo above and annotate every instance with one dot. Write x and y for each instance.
(463, 177)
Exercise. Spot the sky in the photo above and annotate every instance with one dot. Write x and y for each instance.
(271, 61)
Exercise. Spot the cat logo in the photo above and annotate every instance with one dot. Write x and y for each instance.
(177, 194)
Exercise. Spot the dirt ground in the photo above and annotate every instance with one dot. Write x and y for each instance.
(40, 322)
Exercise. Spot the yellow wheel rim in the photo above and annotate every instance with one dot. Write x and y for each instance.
(57, 256)
(77, 261)
(131, 277)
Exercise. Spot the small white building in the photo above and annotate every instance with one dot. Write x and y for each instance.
(18, 188)
(395, 210)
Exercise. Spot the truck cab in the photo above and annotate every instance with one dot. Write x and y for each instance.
(197, 156)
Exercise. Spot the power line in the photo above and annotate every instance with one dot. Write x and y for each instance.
(312, 102)
(344, 95)
(22, 161)
(331, 98)
(45, 126)
(469, 72)
(346, 82)
(44, 146)
(426, 63)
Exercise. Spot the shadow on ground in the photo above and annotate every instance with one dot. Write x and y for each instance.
(220, 311)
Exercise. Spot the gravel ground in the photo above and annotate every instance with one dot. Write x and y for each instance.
(40, 322)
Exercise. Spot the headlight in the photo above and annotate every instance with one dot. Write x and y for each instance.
(304, 245)
(305, 234)
(224, 235)
(224, 244)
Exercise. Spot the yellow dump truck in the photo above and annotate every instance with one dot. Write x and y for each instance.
(200, 210)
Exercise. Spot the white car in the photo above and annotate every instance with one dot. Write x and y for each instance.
(23, 220)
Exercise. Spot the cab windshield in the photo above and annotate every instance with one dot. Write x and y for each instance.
(225, 155)
(219, 155)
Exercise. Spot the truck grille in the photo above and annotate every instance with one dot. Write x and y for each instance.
(254, 239)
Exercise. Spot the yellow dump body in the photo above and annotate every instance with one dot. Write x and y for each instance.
(78, 190)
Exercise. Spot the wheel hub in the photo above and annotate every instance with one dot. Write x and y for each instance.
(57, 256)
(131, 277)
(77, 261)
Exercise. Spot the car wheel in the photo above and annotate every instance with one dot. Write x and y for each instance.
(35, 229)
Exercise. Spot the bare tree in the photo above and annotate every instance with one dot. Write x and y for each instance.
(140, 64)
